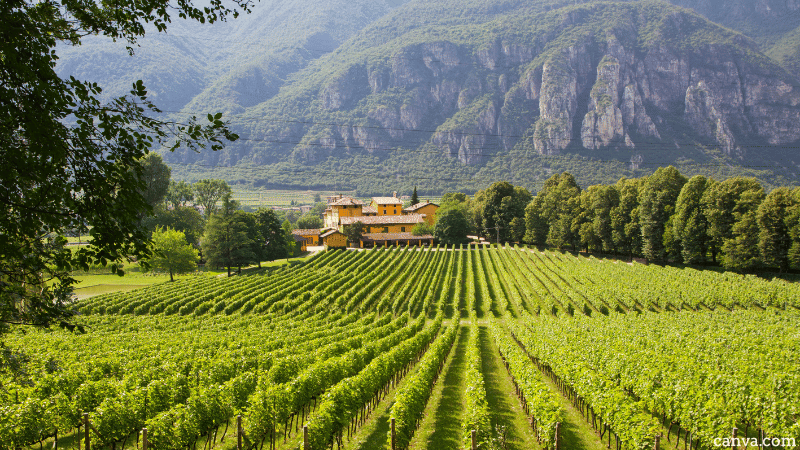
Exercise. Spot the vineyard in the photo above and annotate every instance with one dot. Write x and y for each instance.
(423, 348)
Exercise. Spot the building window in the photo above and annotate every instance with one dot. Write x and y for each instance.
(402, 229)
(384, 212)
(385, 229)
(395, 211)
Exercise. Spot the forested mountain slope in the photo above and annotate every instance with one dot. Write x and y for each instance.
(455, 94)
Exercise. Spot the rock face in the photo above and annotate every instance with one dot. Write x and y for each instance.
(618, 87)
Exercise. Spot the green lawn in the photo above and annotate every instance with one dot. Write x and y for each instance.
(95, 284)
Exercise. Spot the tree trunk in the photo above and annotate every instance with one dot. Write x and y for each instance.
(170, 275)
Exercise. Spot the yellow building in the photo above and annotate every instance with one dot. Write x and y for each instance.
(333, 239)
(384, 224)
(427, 209)
(387, 206)
(310, 236)
(342, 207)
(383, 216)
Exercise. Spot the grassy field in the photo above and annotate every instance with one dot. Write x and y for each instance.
(95, 284)
(280, 198)
(286, 198)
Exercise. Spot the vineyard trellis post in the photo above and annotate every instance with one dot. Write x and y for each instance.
(555, 446)
(474, 440)
(733, 441)
(86, 432)
(393, 436)
(239, 432)
(306, 445)
(657, 445)
(144, 438)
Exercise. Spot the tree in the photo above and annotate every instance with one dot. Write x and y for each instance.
(414, 197)
(209, 192)
(656, 205)
(453, 197)
(172, 253)
(156, 177)
(724, 204)
(500, 203)
(354, 232)
(549, 217)
(604, 200)
(183, 218)
(422, 229)
(226, 242)
(179, 194)
(308, 221)
(288, 238)
(690, 227)
(625, 227)
(774, 240)
(273, 238)
(451, 225)
(70, 161)
(793, 222)
(741, 251)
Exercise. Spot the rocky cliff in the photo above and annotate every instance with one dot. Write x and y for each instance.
(617, 76)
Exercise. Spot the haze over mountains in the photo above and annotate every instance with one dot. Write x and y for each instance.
(382, 95)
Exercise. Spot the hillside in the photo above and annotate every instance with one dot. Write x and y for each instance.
(453, 95)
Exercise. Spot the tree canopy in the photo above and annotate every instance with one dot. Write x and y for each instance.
(70, 161)
(451, 225)
(227, 241)
(208, 192)
(172, 253)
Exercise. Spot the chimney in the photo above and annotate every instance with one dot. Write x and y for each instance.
(394, 194)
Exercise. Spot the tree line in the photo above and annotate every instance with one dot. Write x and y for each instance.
(662, 217)
(222, 236)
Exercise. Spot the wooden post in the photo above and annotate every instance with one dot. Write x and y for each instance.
(306, 444)
(86, 436)
(657, 445)
(393, 436)
(474, 440)
(558, 425)
(144, 438)
(239, 432)
(55, 441)
(733, 441)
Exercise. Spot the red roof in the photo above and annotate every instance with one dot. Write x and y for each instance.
(384, 220)
(413, 208)
(307, 232)
(329, 233)
(347, 201)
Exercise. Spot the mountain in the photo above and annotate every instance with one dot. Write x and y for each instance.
(380, 96)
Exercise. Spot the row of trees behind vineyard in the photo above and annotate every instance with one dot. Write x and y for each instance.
(201, 222)
(662, 217)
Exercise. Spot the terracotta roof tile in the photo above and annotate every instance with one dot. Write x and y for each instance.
(307, 232)
(369, 210)
(387, 200)
(347, 201)
(329, 232)
(384, 220)
(419, 205)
